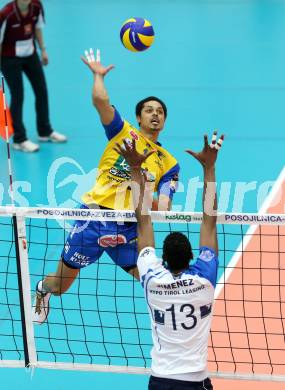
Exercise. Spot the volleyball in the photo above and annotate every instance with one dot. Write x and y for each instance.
(137, 34)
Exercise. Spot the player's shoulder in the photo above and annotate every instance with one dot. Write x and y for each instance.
(147, 258)
(129, 131)
(165, 156)
(169, 164)
(146, 252)
(37, 5)
(7, 10)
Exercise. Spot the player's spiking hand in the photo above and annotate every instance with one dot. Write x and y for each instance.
(131, 155)
(208, 156)
(94, 64)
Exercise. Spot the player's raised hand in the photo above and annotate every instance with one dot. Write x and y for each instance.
(131, 155)
(208, 156)
(94, 64)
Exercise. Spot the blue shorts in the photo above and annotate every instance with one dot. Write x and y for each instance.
(86, 244)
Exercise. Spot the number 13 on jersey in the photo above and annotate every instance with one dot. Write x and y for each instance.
(182, 316)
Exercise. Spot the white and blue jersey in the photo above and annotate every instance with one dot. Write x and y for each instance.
(181, 312)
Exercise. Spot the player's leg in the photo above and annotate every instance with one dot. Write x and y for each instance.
(123, 248)
(12, 70)
(53, 284)
(81, 249)
(34, 71)
(59, 282)
(132, 270)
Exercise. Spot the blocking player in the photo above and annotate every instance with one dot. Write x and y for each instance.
(179, 295)
(112, 190)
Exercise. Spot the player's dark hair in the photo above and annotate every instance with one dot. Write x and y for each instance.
(141, 103)
(177, 251)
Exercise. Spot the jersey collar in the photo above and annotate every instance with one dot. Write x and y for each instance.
(18, 12)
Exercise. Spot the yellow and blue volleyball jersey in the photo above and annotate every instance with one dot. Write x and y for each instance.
(111, 188)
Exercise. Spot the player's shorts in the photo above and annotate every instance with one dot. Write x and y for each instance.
(156, 383)
(88, 240)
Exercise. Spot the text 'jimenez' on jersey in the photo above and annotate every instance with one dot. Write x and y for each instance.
(111, 188)
(180, 311)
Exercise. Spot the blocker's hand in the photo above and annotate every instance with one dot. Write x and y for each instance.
(208, 156)
(94, 64)
(131, 155)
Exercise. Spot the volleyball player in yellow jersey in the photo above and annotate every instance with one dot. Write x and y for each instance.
(112, 191)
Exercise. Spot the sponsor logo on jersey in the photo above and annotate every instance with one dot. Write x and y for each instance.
(134, 135)
(146, 252)
(121, 169)
(78, 258)
(158, 163)
(119, 173)
(66, 247)
(122, 164)
(112, 240)
(206, 255)
(184, 291)
(205, 310)
(160, 155)
(159, 317)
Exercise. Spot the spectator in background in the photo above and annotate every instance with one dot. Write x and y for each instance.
(21, 23)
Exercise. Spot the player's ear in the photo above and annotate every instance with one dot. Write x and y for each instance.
(139, 119)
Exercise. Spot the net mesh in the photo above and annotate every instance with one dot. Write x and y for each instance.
(10, 317)
(103, 319)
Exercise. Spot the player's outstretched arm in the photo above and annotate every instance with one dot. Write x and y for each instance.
(100, 96)
(207, 158)
(139, 192)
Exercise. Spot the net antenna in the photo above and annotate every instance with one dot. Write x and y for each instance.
(21, 255)
(7, 138)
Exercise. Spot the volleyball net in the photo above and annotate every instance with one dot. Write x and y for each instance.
(102, 324)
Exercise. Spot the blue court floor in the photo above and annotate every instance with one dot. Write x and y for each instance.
(217, 64)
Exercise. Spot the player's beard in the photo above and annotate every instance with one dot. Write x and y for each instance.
(155, 128)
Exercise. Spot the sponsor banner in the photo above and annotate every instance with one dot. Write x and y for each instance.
(128, 215)
(254, 219)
